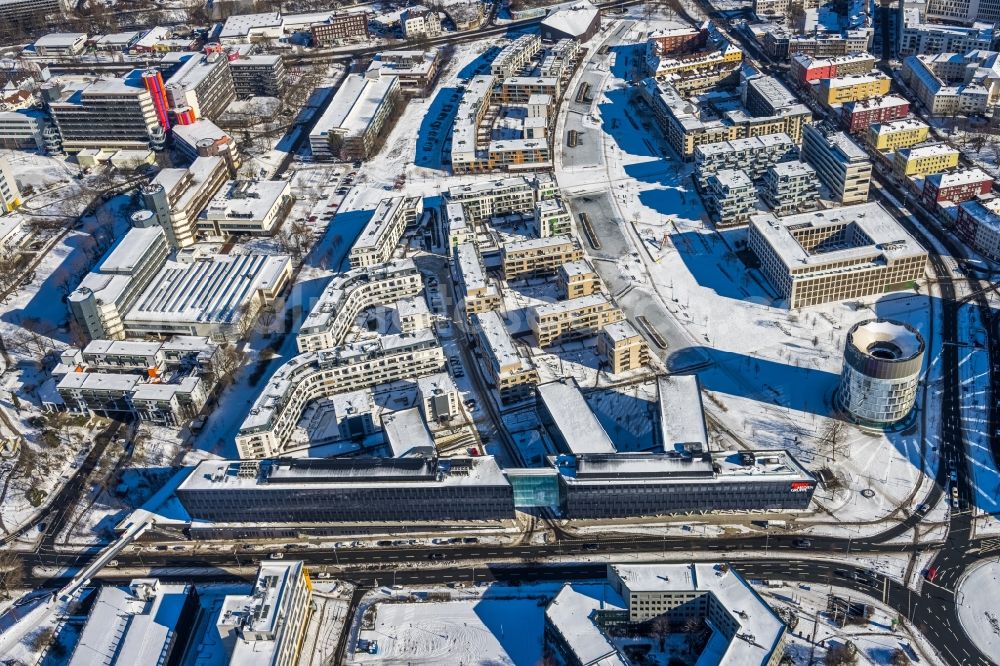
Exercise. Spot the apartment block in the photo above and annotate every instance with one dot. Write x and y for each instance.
(622, 347)
(483, 200)
(694, 71)
(338, 27)
(955, 186)
(268, 625)
(565, 321)
(352, 123)
(730, 197)
(777, 8)
(467, 146)
(518, 155)
(416, 70)
(552, 218)
(348, 294)
(478, 291)
(419, 22)
(26, 129)
(753, 155)
(513, 375)
(459, 229)
(105, 295)
(919, 38)
(842, 89)
(978, 222)
(576, 279)
(516, 55)
(378, 240)
(950, 84)
(808, 69)
(258, 76)
(897, 134)
(841, 164)
(177, 196)
(267, 430)
(790, 187)
(440, 400)
(538, 256)
(860, 115)
(835, 254)
(925, 160)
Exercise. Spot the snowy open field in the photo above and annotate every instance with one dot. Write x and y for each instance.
(978, 611)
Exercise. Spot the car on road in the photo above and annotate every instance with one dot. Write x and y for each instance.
(277, 556)
(802, 543)
(923, 507)
(590, 546)
(840, 573)
(931, 574)
(437, 556)
(470, 540)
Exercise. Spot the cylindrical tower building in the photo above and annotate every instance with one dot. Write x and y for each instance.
(882, 362)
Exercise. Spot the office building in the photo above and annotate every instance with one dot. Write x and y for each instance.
(538, 256)
(841, 89)
(807, 69)
(419, 22)
(378, 239)
(752, 155)
(341, 26)
(568, 420)
(580, 22)
(513, 58)
(565, 321)
(246, 207)
(268, 625)
(840, 163)
(29, 12)
(860, 115)
(258, 76)
(347, 295)
(580, 620)
(730, 197)
(955, 186)
(883, 360)
(925, 160)
(267, 430)
(897, 134)
(513, 375)
(202, 83)
(106, 113)
(416, 70)
(99, 303)
(203, 138)
(478, 292)
(25, 129)
(147, 622)
(212, 295)
(790, 187)
(10, 194)
(350, 127)
(622, 347)
(177, 196)
(778, 8)
(835, 254)
(315, 490)
(250, 28)
(978, 223)
(56, 45)
(576, 279)
(974, 12)
(440, 401)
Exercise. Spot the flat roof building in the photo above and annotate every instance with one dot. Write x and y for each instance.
(514, 376)
(622, 347)
(246, 207)
(565, 321)
(841, 164)
(378, 240)
(835, 254)
(538, 256)
(569, 421)
(354, 119)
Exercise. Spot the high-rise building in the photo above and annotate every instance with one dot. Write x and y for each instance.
(202, 83)
(840, 163)
(882, 364)
(258, 76)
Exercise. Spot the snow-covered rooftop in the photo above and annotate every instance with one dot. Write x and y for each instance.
(355, 104)
(574, 20)
(563, 404)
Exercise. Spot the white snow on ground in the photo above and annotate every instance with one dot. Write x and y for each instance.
(494, 625)
(976, 596)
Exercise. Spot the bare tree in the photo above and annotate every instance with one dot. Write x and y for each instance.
(833, 439)
(11, 572)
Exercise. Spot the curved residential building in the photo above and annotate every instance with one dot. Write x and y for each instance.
(267, 430)
(347, 295)
(882, 362)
